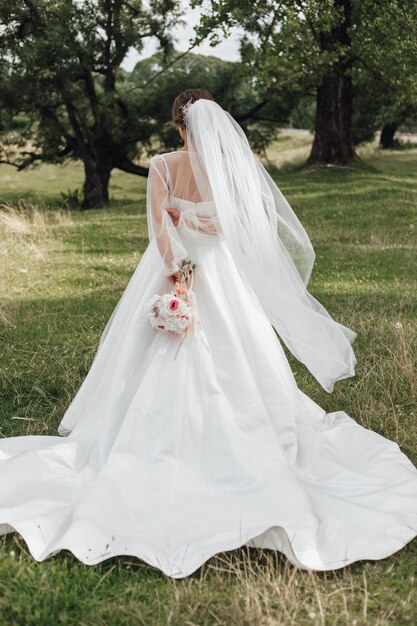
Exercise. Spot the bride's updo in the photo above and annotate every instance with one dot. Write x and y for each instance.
(186, 98)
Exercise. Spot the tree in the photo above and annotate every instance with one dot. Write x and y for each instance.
(333, 139)
(60, 68)
(258, 115)
(386, 69)
(378, 105)
(63, 83)
(318, 47)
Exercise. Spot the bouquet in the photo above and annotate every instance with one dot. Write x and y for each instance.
(170, 313)
(174, 313)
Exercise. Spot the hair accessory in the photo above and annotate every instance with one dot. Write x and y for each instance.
(186, 107)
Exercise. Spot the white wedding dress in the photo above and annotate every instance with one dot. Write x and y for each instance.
(173, 461)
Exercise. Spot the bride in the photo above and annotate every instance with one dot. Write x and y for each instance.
(175, 449)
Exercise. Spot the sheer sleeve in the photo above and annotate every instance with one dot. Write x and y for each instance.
(160, 225)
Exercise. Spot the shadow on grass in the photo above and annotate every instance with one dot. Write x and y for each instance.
(358, 166)
(54, 202)
(52, 345)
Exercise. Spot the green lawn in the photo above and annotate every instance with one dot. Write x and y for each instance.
(62, 273)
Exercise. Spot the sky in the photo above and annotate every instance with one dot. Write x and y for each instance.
(227, 50)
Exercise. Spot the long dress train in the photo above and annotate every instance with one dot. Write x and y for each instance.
(174, 459)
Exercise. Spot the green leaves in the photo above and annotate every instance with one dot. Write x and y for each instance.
(61, 66)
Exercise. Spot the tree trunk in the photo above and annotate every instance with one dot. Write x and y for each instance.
(387, 140)
(96, 183)
(333, 141)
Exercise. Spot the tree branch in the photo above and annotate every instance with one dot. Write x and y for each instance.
(88, 80)
(251, 113)
(81, 138)
(50, 114)
(7, 162)
(133, 9)
(265, 118)
(267, 35)
(126, 165)
(31, 158)
(316, 35)
(164, 69)
(109, 78)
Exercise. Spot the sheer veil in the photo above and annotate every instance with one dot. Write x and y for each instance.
(270, 246)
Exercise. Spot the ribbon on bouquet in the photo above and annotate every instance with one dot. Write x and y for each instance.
(196, 326)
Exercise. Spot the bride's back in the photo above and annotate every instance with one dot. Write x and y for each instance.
(180, 177)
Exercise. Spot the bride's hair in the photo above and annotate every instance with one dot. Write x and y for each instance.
(185, 98)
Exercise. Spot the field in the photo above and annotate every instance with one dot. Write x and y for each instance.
(62, 273)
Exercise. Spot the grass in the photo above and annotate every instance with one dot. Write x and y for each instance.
(62, 274)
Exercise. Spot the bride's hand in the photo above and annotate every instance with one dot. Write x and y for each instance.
(175, 278)
(174, 215)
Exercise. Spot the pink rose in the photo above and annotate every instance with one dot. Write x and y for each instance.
(173, 305)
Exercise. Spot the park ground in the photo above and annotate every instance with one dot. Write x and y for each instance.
(62, 273)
